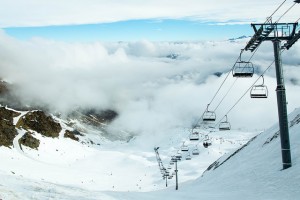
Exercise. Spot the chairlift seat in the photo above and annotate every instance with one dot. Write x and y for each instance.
(195, 152)
(209, 116)
(184, 148)
(243, 69)
(188, 157)
(224, 126)
(259, 91)
(194, 136)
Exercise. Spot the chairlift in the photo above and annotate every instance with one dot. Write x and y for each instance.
(184, 148)
(178, 156)
(259, 91)
(207, 142)
(172, 162)
(225, 125)
(188, 157)
(242, 69)
(209, 115)
(170, 177)
(194, 136)
(195, 152)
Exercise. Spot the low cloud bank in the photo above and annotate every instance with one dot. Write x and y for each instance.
(153, 86)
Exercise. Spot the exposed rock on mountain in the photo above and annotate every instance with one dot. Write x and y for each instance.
(28, 140)
(41, 123)
(7, 128)
(71, 135)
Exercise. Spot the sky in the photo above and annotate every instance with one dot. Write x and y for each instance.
(59, 59)
(131, 20)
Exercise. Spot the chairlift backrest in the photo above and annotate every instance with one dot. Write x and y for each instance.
(259, 91)
(209, 115)
(184, 148)
(194, 136)
(243, 69)
(188, 157)
(195, 151)
(225, 125)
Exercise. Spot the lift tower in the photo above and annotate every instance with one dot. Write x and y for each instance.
(277, 32)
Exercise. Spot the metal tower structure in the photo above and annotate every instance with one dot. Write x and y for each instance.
(277, 32)
(163, 170)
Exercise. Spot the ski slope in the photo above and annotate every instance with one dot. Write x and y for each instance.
(66, 169)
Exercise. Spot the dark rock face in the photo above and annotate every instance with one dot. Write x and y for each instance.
(71, 135)
(3, 87)
(41, 123)
(7, 128)
(104, 116)
(28, 140)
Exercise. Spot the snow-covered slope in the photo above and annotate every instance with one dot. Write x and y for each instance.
(66, 169)
(254, 171)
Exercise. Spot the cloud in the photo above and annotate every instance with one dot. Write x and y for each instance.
(15, 13)
(154, 86)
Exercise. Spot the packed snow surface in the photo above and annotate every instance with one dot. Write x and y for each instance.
(66, 169)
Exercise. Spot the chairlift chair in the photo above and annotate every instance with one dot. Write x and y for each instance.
(209, 115)
(259, 91)
(178, 156)
(225, 125)
(194, 136)
(184, 148)
(207, 142)
(195, 152)
(242, 69)
(188, 157)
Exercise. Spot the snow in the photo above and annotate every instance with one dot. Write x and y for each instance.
(66, 169)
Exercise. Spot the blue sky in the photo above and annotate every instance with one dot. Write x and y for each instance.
(132, 30)
(131, 20)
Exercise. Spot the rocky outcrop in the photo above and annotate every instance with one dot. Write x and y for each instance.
(28, 140)
(3, 87)
(7, 128)
(94, 117)
(71, 135)
(41, 123)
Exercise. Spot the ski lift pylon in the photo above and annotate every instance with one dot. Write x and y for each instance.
(259, 91)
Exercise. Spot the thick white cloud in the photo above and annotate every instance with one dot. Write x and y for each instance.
(152, 92)
(57, 12)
